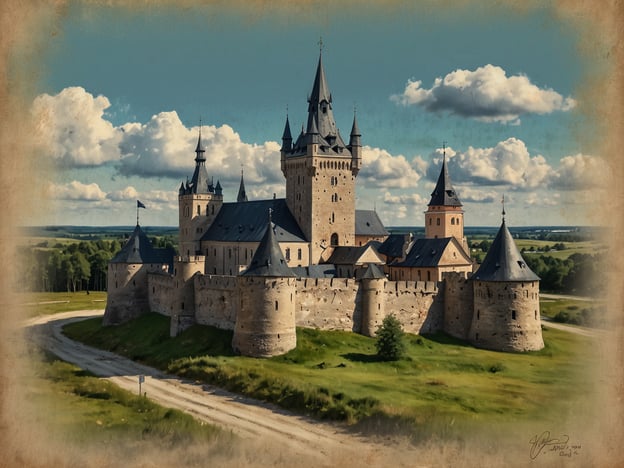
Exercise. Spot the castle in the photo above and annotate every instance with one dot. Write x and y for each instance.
(262, 268)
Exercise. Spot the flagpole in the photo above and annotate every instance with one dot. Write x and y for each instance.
(137, 213)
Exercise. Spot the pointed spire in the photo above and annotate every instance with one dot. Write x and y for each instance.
(503, 202)
(444, 194)
(268, 259)
(320, 105)
(218, 189)
(355, 133)
(199, 150)
(286, 136)
(242, 194)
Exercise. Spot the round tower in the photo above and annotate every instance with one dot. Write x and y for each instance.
(265, 323)
(373, 299)
(506, 314)
(127, 291)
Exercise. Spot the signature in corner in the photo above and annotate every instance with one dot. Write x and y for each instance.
(538, 443)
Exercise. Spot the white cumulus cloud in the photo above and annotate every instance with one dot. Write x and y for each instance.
(71, 128)
(506, 163)
(76, 191)
(486, 94)
(382, 169)
(582, 172)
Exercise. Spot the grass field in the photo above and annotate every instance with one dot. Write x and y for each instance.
(575, 311)
(70, 398)
(586, 247)
(53, 303)
(443, 388)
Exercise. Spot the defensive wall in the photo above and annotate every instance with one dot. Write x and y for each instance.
(324, 303)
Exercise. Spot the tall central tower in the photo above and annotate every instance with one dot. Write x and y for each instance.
(320, 171)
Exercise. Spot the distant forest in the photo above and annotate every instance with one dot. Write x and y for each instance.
(76, 259)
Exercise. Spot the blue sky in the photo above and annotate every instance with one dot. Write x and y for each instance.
(120, 95)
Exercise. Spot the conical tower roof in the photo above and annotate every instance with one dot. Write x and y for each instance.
(199, 181)
(503, 261)
(138, 249)
(444, 194)
(242, 194)
(268, 259)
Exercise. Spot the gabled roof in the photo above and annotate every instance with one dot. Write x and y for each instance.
(367, 223)
(426, 253)
(393, 246)
(138, 249)
(503, 261)
(444, 194)
(246, 222)
(268, 259)
(351, 255)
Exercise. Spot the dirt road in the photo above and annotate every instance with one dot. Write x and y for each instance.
(247, 418)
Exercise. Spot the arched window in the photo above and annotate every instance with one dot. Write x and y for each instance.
(453, 221)
(438, 221)
(334, 238)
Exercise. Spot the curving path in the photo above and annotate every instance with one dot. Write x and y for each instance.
(245, 417)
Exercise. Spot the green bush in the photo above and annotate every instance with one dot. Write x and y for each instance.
(390, 345)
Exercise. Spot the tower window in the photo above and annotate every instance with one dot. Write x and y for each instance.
(334, 238)
(430, 220)
(298, 254)
(438, 221)
(513, 315)
(198, 210)
(287, 255)
(276, 305)
(453, 221)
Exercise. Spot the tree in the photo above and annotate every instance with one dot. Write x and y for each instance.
(390, 345)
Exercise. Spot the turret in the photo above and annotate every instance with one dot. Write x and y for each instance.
(265, 323)
(445, 216)
(506, 313)
(355, 146)
(287, 137)
(198, 204)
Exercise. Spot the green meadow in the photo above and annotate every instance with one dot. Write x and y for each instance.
(442, 388)
(84, 408)
(40, 303)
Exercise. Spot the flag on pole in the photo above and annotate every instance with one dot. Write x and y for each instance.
(140, 205)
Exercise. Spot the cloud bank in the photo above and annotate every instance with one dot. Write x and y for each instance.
(486, 94)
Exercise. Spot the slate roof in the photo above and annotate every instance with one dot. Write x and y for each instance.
(246, 222)
(393, 245)
(268, 259)
(503, 261)
(425, 253)
(443, 194)
(139, 249)
(315, 271)
(347, 255)
(367, 223)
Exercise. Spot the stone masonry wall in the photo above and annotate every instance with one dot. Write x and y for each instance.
(161, 292)
(458, 305)
(328, 304)
(417, 305)
(216, 300)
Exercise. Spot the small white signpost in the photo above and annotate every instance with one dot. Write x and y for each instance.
(141, 380)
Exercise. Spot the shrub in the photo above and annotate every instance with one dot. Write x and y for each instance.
(390, 345)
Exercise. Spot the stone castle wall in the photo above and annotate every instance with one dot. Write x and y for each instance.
(161, 292)
(416, 304)
(458, 305)
(328, 304)
(217, 300)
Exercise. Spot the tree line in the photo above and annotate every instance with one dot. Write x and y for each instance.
(71, 267)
